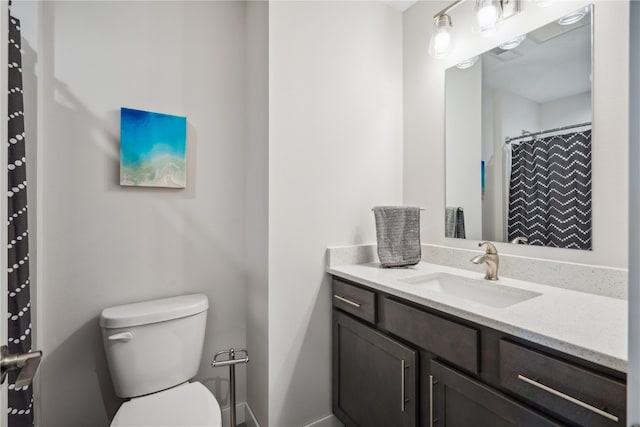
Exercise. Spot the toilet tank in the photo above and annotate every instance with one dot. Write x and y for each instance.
(154, 345)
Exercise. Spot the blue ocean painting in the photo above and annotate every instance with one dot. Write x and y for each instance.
(152, 149)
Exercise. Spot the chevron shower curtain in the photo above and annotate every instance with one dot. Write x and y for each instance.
(550, 191)
(20, 410)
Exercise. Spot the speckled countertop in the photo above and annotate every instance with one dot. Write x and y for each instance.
(584, 325)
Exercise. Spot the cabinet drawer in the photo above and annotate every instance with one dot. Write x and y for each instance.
(460, 401)
(452, 341)
(571, 392)
(357, 301)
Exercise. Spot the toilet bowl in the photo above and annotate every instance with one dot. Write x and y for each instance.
(153, 350)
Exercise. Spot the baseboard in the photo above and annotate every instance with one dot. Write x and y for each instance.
(328, 421)
(249, 417)
(244, 414)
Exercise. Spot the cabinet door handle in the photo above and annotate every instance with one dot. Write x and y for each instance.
(568, 398)
(347, 301)
(402, 380)
(430, 400)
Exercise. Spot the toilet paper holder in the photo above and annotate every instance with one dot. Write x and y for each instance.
(231, 362)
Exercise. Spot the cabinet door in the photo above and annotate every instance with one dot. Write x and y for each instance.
(374, 376)
(460, 401)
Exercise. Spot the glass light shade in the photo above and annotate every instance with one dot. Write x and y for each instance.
(468, 63)
(441, 41)
(573, 17)
(513, 43)
(488, 13)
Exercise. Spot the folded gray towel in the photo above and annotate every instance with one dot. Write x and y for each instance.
(398, 232)
(454, 222)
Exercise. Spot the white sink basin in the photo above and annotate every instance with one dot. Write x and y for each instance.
(491, 294)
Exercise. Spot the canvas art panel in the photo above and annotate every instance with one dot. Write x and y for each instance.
(152, 149)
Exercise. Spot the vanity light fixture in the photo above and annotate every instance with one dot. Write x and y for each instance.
(441, 40)
(573, 17)
(467, 63)
(513, 43)
(489, 13)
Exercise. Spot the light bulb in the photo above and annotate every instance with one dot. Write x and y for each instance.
(441, 39)
(487, 15)
(441, 43)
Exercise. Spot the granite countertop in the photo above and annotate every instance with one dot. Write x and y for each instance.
(588, 326)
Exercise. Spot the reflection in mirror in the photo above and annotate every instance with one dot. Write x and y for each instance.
(518, 139)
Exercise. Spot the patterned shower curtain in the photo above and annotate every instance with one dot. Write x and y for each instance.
(20, 410)
(550, 191)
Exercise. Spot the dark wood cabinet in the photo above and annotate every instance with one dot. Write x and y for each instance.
(374, 376)
(452, 341)
(389, 353)
(461, 401)
(577, 395)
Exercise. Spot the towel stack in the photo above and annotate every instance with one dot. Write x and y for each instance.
(398, 233)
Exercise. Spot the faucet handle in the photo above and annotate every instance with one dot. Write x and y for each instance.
(27, 363)
(491, 249)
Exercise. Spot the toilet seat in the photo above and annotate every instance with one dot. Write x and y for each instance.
(189, 404)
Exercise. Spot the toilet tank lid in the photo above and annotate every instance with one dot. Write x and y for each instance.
(159, 310)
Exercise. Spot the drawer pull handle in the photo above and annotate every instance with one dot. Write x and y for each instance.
(431, 383)
(347, 301)
(430, 400)
(402, 368)
(569, 398)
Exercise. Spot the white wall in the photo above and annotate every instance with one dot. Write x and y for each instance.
(103, 244)
(257, 206)
(463, 105)
(423, 171)
(566, 111)
(335, 150)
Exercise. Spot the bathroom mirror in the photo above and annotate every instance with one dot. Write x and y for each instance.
(518, 139)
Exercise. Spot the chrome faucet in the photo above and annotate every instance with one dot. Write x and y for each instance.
(490, 259)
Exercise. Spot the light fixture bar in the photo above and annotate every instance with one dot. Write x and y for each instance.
(448, 9)
(488, 14)
(509, 8)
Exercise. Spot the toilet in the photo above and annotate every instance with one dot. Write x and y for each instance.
(153, 349)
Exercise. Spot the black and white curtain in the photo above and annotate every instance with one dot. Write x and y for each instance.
(550, 191)
(20, 408)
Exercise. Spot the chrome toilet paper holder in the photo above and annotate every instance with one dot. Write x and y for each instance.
(231, 362)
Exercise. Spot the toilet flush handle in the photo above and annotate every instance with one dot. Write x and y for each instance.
(122, 336)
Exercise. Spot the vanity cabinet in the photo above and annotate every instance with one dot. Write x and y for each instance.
(374, 376)
(397, 363)
(573, 393)
(457, 400)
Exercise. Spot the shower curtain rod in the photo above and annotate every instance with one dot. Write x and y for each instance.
(509, 139)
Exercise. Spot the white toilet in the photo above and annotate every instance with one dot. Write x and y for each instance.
(153, 349)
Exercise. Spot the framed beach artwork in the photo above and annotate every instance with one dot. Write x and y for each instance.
(153, 149)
